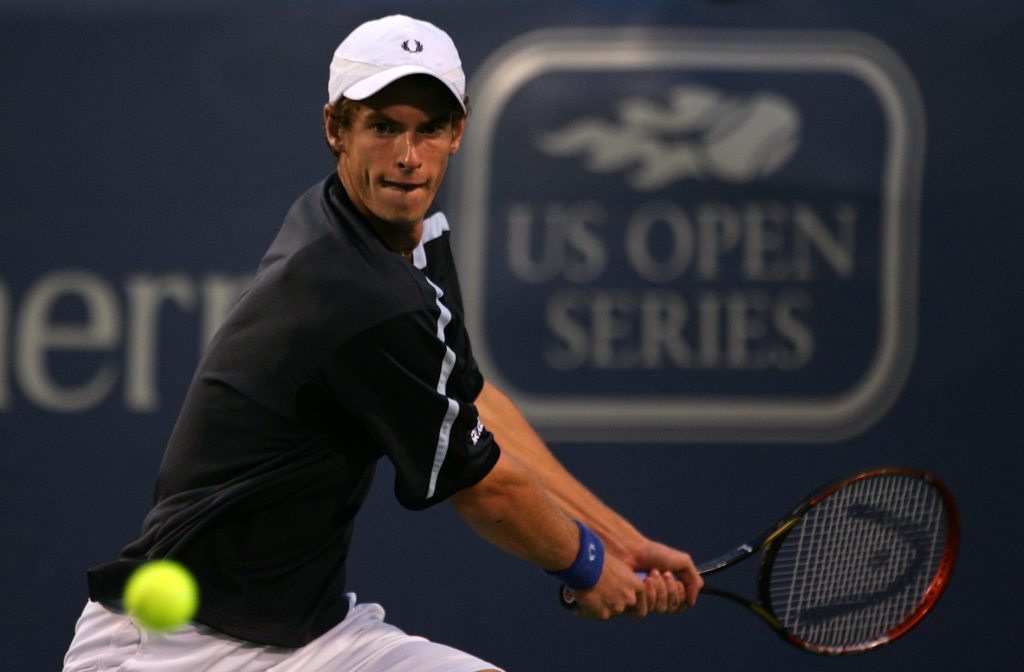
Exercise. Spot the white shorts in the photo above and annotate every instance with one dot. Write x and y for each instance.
(106, 641)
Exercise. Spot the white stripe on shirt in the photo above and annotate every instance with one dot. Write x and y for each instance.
(442, 388)
(433, 227)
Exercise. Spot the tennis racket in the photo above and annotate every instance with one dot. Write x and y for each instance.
(854, 566)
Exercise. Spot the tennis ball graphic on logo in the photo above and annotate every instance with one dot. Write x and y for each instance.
(753, 139)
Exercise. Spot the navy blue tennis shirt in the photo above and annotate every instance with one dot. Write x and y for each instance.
(339, 353)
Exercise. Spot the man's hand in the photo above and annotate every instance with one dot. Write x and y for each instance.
(619, 591)
(672, 582)
(671, 585)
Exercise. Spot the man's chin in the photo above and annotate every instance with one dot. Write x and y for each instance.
(406, 219)
(401, 224)
(406, 214)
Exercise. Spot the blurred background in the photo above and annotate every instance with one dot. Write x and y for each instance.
(720, 252)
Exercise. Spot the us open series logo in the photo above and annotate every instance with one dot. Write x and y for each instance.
(692, 235)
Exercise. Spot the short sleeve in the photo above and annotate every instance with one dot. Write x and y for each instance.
(412, 393)
(439, 265)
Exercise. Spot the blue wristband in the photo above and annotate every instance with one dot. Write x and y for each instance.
(585, 570)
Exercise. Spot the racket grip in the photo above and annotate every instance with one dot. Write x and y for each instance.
(568, 600)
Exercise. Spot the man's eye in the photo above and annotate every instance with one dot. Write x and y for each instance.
(381, 128)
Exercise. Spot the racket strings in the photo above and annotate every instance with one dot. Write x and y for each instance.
(858, 564)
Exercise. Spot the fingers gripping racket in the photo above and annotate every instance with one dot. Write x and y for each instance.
(854, 566)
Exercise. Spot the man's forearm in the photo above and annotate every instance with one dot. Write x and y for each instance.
(539, 488)
(518, 439)
(512, 510)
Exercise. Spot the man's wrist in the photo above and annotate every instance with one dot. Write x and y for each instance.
(585, 571)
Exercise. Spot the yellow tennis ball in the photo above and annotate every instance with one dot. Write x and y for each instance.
(161, 595)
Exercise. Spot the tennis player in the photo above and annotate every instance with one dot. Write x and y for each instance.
(350, 346)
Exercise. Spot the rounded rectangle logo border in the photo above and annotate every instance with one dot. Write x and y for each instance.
(693, 418)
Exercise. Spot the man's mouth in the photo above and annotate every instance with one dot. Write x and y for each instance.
(404, 186)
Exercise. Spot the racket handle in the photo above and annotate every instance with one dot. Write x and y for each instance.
(568, 600)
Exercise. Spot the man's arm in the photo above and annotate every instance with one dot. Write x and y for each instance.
(509, 508)
(622, 540)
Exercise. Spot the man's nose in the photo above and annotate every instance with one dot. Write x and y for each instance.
(409, 156)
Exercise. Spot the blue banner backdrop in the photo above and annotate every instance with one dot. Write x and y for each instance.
(720, 252)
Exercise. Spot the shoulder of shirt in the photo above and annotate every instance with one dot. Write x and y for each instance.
(435, 229)
(306, 221)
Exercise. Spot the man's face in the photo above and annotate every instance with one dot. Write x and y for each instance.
(394, 155)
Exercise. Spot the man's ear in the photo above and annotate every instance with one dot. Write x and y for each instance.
(333, 129)
(458, 129)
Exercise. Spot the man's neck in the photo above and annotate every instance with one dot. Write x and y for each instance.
(400, 237)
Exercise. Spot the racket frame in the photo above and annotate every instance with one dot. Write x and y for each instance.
(771, 540)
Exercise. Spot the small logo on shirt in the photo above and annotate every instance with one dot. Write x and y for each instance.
(592, 552)
(477, 432)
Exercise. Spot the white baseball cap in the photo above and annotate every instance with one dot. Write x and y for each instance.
(381, 51)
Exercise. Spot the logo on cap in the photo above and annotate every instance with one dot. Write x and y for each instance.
(412, 46)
